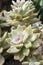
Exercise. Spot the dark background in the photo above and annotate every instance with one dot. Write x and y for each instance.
(5, 4)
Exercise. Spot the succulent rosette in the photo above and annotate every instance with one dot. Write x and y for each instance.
(24, 42)
(17, 39)
(23, 12)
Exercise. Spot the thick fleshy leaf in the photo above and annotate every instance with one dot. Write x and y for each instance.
(13, 50)
(35, 36)
(26, 4)
(31, 63)
(34, 63)
(27, 32)
(20, 29)
(19, 56)
(28, 44)
(25, 63)
(13, 33)
(36, 45)
(19, 45)
(4, 36)
(1, 50)
(26, 52)
(1, 60)
(28, 12)
(14, 3)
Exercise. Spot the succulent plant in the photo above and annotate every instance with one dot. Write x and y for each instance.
(22, 13)
(26, 43)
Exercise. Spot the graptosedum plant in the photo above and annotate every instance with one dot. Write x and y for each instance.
(25, 44)
(25, 41)
(22, 13)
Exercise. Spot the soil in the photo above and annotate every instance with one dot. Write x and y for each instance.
(11, 61)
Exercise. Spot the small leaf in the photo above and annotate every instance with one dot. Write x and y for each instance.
(4, 36)
(31, 63)
(27, 32)
(14, 3)
(13, 50)
(28, 44)
(25, 63)
(34, 63)
(20, 29)
(35, 36)
(19, 45)
(36, 45)
(1, 50)
(26, 52)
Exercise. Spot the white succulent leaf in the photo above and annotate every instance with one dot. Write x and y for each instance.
(2, 60)
(34, 63)
(31, 63)
(1, 50)
(27, 32)
(26, 52)
(14, 3)
(28, 44)
(13, 50)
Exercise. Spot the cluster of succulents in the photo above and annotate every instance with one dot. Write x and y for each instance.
(25, 40)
